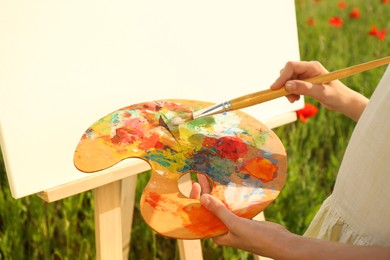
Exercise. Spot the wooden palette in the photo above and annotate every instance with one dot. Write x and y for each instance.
(245, 161)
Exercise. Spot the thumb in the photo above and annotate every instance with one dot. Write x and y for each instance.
(216, 207)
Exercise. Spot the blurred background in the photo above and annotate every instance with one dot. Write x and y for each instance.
(336, 33)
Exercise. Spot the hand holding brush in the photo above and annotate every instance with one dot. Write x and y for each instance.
(270, 94)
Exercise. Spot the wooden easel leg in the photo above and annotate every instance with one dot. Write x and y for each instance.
(108, 221)
(190, 249)
(128, 187)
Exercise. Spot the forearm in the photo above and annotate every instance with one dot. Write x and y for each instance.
(307, 248)
(350, 103)
(273, 240)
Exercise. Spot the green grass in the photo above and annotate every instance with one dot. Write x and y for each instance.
(32, 229)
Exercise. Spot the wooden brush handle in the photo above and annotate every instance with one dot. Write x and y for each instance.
(266, 95)
(257, 98)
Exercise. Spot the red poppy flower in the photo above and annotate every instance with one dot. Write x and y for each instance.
(374, 31)
(381, 35)
(308, 111)
(336, 21)
(310, 21)
(385, 2)
(342, 5)
(355, 13)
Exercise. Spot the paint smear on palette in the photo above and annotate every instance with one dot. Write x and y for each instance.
(245, 161)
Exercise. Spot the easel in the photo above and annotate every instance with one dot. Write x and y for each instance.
(114, 195)
(64, 68)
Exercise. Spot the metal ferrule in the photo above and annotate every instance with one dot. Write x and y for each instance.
(212, 110)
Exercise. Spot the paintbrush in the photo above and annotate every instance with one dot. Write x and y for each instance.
(267, 95)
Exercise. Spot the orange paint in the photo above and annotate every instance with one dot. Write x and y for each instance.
(197, 216)
(261, 168)
(153, 199)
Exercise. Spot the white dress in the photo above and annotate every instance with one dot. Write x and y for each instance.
(358, 211)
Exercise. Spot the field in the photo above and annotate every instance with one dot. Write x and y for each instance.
(337, 33)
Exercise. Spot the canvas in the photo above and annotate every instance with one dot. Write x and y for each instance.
(65, 64)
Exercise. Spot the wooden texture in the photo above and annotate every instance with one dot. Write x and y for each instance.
(349, 71)
(94, 181)
(244, 160)
(267, 95)
(190, 249)
(108, 220)
(128, 188)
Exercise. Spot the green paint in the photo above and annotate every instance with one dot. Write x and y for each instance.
(204, 121)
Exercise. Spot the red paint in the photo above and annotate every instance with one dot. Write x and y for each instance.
(153, 199)
(124, 135)
(149, 142)
(209, 142)
(175, 107)
(230, 147)
(126, 114)
(150, 106)
(131, 132)
(159, 145)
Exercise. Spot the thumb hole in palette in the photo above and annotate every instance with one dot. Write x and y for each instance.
(186, 181)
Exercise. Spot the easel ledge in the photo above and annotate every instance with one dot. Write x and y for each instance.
(114, 195)
(95, 180)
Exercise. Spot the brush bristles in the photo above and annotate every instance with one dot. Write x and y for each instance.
(179, 120)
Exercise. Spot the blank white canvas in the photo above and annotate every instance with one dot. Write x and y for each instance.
(65, 64)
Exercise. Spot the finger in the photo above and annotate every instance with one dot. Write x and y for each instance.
(216, 207)
(285, 74)
(292, 98)
(195, 191)
(204, 183)
(299, 87)
(298, 70)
